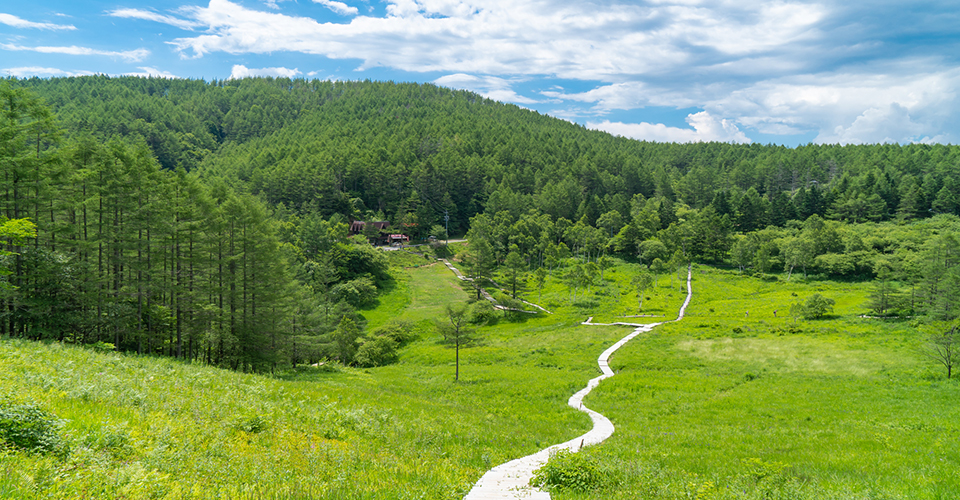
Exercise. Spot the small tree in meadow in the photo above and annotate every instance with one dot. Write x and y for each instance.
(456, 330)
(377, 351)
(641, 283)
(944, 348)
(817, 306)
(796, 311)
(539, 279)
(575, 278)
(658, 267)
(604, 263)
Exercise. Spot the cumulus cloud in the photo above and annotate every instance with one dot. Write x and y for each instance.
(706, 128)
(338, 7)
(128, 55)
(28, 71)
(577, 40)
(491, 87)
(910, 104)
(16, 22)
(240, 71)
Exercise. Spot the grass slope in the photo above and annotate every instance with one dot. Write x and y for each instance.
(722, 405)
(140, 427)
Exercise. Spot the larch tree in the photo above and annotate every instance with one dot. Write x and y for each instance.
(456, 330)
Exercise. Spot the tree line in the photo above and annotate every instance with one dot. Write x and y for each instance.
(103, 245)
(915, 267)
(208, 220)
(409, 153)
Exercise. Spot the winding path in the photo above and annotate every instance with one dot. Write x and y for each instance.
(486, 295)
(512, 479)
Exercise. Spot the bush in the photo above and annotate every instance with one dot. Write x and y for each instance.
(253, 424)
(101, 346)
(27, 427)
(357, 292)
(483, 313)
(570, 471)
(377, 351)
(817, 306)
(400, 331)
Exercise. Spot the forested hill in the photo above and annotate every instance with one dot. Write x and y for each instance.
(358, 148)
(209, 220)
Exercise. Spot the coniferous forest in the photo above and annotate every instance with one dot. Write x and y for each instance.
(209, 220)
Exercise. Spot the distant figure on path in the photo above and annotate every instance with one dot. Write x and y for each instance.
(774, 313)
(747, 314)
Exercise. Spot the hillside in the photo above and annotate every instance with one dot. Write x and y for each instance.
(359, 148)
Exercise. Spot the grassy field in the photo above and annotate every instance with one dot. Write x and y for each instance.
(730, 403)
(736, 403)
(139, 427)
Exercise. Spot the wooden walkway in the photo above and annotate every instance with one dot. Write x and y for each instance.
(512, 479)
(486, 295)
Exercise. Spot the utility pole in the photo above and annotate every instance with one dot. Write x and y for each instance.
(446, 228)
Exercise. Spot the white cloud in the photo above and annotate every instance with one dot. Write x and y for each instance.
(16, 22)
(909, 104)
(147, 72)
(240, 71)
(631, 95)
(147, 15)
(28, 71)
(491, 87)
(338, 7)
(838, 107)
(706, 128)
(129, 55)
(747, 28)
(580, 40)
(890, 125)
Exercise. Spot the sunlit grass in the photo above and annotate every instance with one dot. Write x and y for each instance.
(837, 408)
(732, 402)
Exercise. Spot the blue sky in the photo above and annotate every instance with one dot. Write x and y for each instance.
(783, 72)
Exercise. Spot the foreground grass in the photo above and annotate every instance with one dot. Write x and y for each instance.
(730, 403)
(139, 427)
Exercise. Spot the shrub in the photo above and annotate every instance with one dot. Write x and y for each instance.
(254, 424)
(101, 346)
(568, 470)
(483, 313)
(400, 331)
(817, 306)
(377, 351)
(358, 292)
(27, 427)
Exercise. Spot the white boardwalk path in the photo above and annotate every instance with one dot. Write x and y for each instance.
(512, 479)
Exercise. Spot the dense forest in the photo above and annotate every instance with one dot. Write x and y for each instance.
(209, 220)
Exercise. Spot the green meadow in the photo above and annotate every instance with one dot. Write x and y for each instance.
(731, 402)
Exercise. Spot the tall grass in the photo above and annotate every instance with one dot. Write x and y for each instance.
(722, 405)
